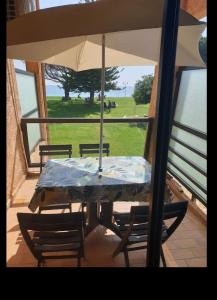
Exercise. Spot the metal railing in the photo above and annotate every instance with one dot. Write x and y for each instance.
(26, 121)
(203, 136)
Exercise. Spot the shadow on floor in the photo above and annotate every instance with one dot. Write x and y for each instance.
(13, 205)
(15, 228)
(99, 246)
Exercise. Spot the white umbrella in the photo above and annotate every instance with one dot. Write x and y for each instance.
(102, 34)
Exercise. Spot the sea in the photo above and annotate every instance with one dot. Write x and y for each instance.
(53, 90)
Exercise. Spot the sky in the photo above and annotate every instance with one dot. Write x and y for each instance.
(128, 76)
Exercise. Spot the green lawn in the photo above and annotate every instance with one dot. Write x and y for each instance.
(124, 139)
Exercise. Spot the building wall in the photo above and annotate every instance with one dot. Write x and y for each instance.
(198, 8)
(17, 169)
(38, 70)
(16, 162)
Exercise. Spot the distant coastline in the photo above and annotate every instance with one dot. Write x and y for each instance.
(53, 90)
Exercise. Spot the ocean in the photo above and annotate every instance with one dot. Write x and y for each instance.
(53, 90)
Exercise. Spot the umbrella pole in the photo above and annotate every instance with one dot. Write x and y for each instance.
(102, 103)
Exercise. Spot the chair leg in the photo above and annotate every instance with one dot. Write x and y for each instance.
(163, 257)
(126, 257)
(39, 263)
(70, 207)
(82, 252)
(82, 207)
(79, 259)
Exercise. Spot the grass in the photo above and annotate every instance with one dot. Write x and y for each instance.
(125, 139)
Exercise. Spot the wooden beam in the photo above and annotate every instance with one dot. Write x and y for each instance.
(35, 68)
(152, 114)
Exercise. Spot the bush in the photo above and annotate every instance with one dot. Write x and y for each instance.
(142, 90)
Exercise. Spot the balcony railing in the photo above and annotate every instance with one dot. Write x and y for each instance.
(26, 121)
(189, 181)
(173, 167)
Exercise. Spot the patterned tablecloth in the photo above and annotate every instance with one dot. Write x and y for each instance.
(124, 178)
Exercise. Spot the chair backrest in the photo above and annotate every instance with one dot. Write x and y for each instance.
(139, 214)
(93, 149)
(51, 150)
(49, 222)
(177, 210)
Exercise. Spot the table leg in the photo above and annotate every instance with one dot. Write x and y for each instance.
(107, 216)
(92, 217)
(106, 213)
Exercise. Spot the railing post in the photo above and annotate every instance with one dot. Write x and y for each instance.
(148, 140)
(25, 141)
(162, 134)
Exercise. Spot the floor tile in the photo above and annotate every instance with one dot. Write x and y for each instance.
(185, 248)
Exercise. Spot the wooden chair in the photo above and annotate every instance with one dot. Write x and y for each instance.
(53, 233)
(134, 226)
(93, 149)
(53, 150)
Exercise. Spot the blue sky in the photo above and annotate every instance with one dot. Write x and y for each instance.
(129, 75)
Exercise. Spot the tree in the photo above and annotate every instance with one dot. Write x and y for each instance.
(89, 81)
(203, 48)
(142, 89)
(66, 77)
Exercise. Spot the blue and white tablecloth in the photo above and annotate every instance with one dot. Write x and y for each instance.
(124, 178)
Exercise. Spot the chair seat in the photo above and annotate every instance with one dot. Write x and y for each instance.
(137, 239)
(142, 237)
(56, 235)
(57, 248)
(55, 206)
(47, 241)
(58, 232)
(139, 232)
(122, 218)
(134, 227)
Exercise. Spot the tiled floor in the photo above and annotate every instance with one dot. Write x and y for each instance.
(188, 245)
(185, 248)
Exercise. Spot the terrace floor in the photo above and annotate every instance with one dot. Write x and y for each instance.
(185, 248)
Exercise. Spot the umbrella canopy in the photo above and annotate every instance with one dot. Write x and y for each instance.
(102, 34)
(71, 35)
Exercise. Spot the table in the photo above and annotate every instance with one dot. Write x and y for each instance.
(124, 178)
